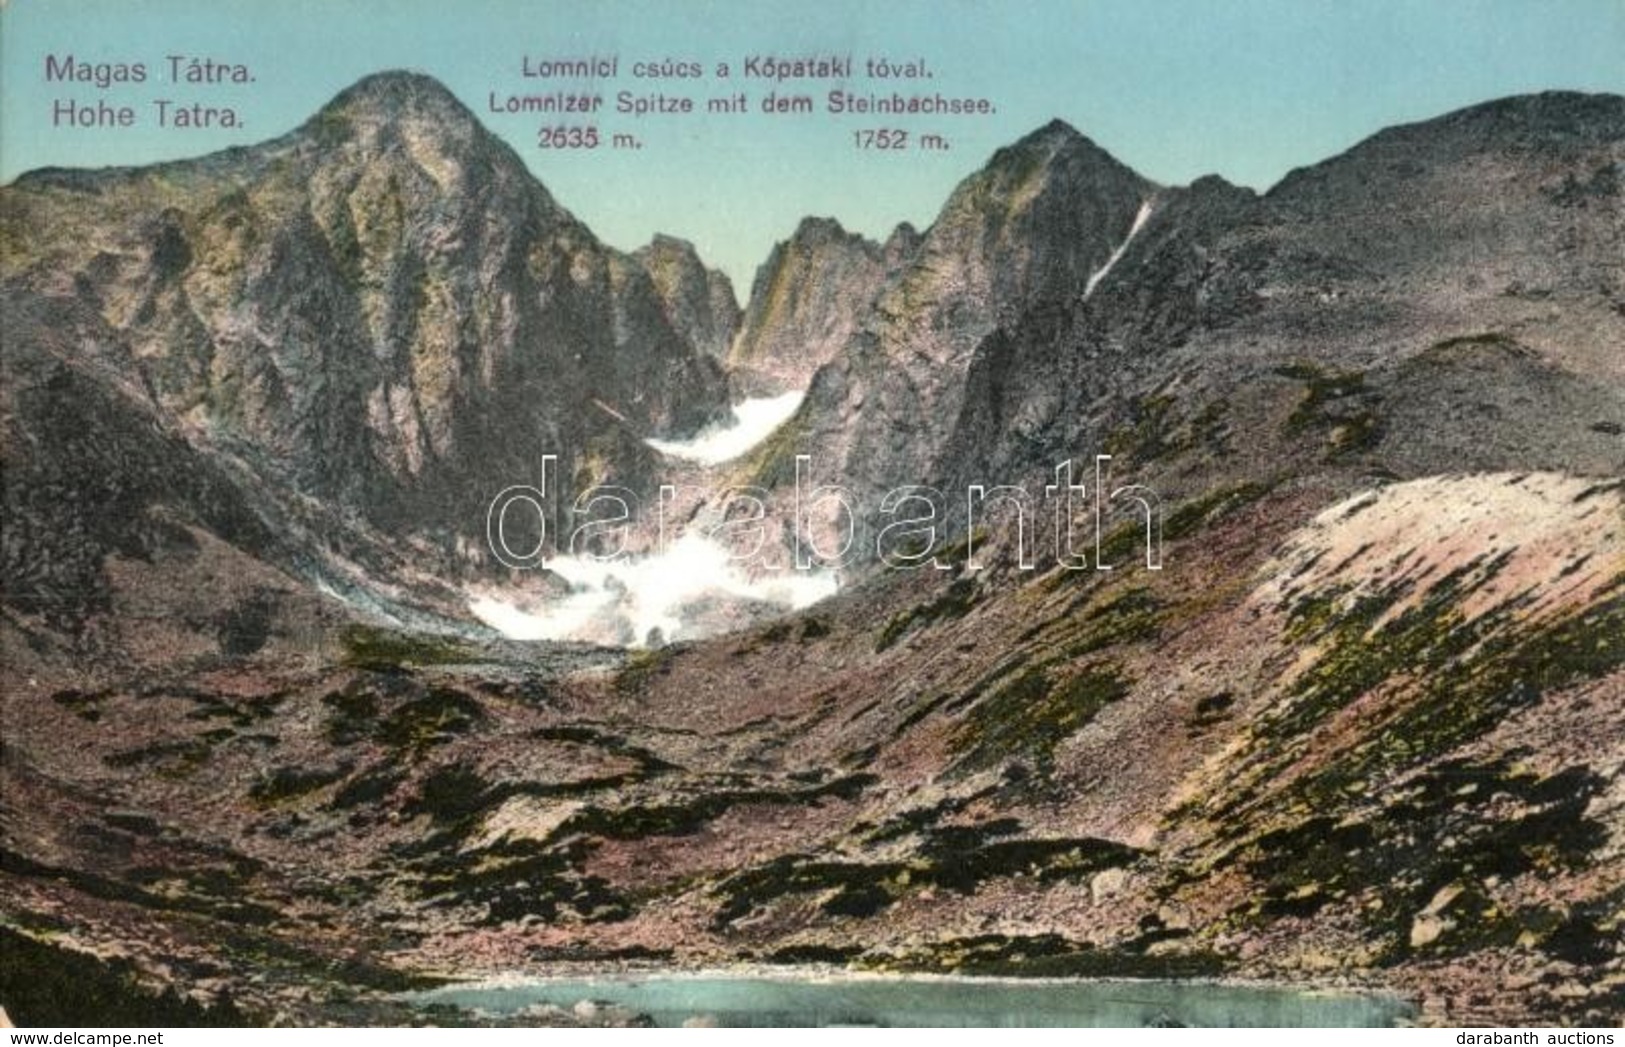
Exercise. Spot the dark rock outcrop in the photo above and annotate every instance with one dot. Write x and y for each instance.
(812, 293)
(699, 302)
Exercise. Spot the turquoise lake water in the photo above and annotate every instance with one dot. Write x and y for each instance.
(835, 1000)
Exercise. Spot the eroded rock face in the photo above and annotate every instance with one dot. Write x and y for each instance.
(1026, 231)
(1023, 235)
(1442, 294)
(699, 302)
(813, 292)
(382, 311)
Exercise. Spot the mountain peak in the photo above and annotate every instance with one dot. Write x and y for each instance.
(1056, 144)
(417, 120)
(665, 243)
(1548, 123)
(1565, 114)
(822, 233)
(396, 91)
(1057, 130)
(697, 301)
(401, 96)
(664, 250)
(1055, 138)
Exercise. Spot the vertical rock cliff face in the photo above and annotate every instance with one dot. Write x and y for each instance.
(812, 293)
(1440, 294)
(1037, 388)
(382, 311)
(698, 302)
(1023, 235)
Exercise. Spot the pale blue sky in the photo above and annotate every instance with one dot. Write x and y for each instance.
(1248, 89)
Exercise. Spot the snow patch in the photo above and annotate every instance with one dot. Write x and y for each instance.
(1100, 274)
(624, 600)
(751, 422)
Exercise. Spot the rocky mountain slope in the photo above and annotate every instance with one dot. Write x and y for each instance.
(381, 313)
(1375, 745)
(1027, 231)
(699, 302)
(1362, 729)
(1443, 293)
(810, 296)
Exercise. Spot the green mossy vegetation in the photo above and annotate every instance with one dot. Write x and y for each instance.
(800, 955)
(1459, 825)
(1107, 618)
(961, 857)
(958, 858)
(854, 889)
(1398, 820)
(173, 760)
(45, 985)
(1155, 431)
(691, 814)
(413, 725)
(1215, 505)
(1146, 436)
(954, 602)
(1338, 404)
(217, 891)
(513, 879)
(1187, 519)
(453, 795)
(958, 554)
(352, 715)
(1032, 713)
(434, 718)
(1480, 340)
(83, 704)
(366, 789)
(642, 667)
(522, 879)
(1459, 678)
(773, 463)
(392, 650)
(290, 783)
